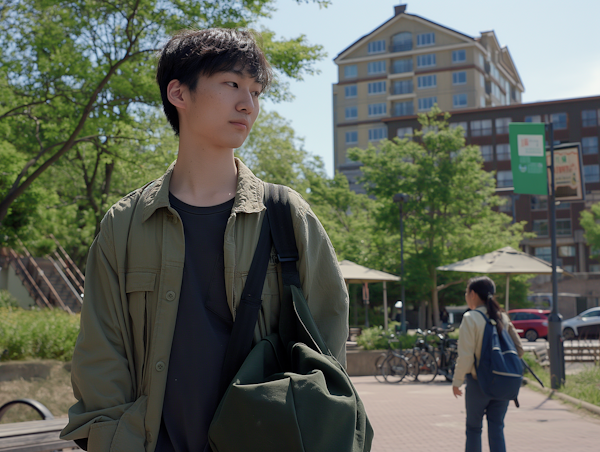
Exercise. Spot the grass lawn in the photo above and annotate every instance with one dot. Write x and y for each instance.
(54, 392)
(584, 385)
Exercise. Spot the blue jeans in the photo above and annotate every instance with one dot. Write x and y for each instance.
(478, 404)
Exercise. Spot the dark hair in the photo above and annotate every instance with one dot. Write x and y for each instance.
(192, 53)
(485, 289)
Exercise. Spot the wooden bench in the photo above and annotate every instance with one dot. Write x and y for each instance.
(34, 436)
(576, 351)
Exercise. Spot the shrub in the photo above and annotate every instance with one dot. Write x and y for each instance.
(7, 300)
(43, 334)
(376, 338)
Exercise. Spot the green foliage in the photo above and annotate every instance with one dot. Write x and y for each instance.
(376, 338)
(449, 214)
(7, 300)
(590, 221)
(77, 78)
(44, 334)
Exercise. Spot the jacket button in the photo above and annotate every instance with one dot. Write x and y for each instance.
(170, 295)
(160, 366)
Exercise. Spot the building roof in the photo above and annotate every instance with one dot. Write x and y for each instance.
(396, 18)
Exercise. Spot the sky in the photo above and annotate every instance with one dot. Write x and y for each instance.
(555, 46)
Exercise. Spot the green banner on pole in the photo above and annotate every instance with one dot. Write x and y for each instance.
(528, 157)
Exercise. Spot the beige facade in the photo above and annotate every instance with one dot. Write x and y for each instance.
(404, 67)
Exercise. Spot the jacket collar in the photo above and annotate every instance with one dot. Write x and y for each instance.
(248, 197)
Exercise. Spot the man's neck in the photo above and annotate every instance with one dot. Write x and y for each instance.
(203, 177)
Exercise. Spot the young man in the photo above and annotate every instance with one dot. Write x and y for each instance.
(165, 274)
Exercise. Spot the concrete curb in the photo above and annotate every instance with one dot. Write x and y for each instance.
(580, 403)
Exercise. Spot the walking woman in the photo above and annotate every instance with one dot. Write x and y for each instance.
(480, 296)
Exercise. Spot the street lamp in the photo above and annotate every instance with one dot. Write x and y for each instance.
(401, 198)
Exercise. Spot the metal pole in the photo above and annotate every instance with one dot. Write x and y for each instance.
(403, 318)
(557, 377)
(400, 198)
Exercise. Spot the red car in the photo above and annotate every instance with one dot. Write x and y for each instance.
(530, 323)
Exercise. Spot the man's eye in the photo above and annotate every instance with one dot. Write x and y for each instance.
(232, 84)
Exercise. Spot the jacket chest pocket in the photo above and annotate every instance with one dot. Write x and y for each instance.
(140, 290)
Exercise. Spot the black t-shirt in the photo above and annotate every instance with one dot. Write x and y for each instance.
(202, 332)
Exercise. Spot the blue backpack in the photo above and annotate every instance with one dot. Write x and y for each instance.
(499, 371)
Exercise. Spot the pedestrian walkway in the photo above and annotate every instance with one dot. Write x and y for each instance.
(426, 416)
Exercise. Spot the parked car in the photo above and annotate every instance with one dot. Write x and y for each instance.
(586, 324)
(530, 323)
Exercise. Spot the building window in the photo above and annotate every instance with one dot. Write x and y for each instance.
(402, 42)
(487, 152)
(464, 125)
(404, 132)
(563, 226)
(403, 108)
(426, 60)
(534, 118)
(350, 71)
(352, 137)
(459, 100)
(377, 87)
(377, 46)
(482, 102)
(459, 56)
(378, 109)
(589, 145)
(425, 39)
(544, 252)
(481, 128)
(591, 173)
(459, 78)
(504, 179)
(427, 81)
(402, 66)
(502, 125)
(351, 112)
(540, 227)
(589, 118)
(377, 134)
(539, 202)
(559, 120)
(402, 87)
(350, 91)
(503, 151)
(594, 268)
(566, 251)
(426, 103)
(562, 205)
(507, 204)
(376, 67)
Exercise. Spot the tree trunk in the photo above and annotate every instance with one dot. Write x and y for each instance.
(435, 308)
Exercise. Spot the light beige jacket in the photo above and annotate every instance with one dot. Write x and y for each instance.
(469, 343)
(133, 279)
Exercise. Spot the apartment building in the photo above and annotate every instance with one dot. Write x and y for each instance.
(575, 121)
(407, 65)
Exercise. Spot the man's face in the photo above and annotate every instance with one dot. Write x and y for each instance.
(222, 109)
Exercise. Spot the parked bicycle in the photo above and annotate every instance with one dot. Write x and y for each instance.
(446, 352)
(391, 366)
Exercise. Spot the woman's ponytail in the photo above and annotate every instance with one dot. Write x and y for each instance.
(485, 289)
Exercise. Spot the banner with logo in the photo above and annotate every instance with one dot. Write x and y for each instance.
(528, 158)
(568, 180)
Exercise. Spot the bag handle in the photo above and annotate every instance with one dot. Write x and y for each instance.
(296, 323)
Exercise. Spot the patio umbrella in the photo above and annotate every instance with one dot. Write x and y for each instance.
(357, 274)
(506, 260)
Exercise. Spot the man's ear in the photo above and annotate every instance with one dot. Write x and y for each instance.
(175, 93)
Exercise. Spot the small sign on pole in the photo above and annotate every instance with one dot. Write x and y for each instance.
(568, 180)
(528, 158)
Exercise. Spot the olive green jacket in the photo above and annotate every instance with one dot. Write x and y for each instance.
(133, 279)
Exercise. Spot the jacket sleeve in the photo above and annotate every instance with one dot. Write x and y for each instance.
(322, 281)
(102, 382)
(514, 336)
(466, 350)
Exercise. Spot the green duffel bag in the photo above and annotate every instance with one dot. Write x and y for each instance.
(290, 394)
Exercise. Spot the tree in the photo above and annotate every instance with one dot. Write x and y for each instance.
(590, 221)
(450, 212)
(70, 69)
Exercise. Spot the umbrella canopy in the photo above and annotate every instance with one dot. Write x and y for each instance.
(354, 273)
(506, 260)
(357, 274)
